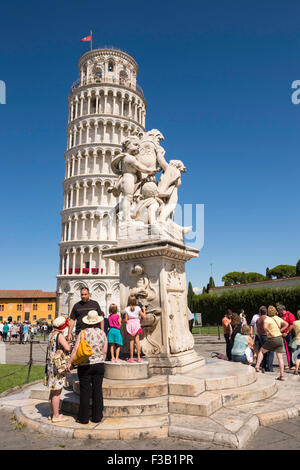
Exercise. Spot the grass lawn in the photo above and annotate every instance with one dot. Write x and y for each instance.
(206, 330)
(20, 377)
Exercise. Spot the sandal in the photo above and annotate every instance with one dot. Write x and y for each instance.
(59, 419)
(130, 360)
(256, 370)
(295, 372)
(280, 378)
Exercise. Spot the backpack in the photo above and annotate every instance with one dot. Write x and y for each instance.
(219, 356)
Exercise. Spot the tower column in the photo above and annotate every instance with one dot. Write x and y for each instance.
(68, 261)
(90, 260)
(81, 259)
(76, 228)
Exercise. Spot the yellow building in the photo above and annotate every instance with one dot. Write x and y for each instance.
(29, 305)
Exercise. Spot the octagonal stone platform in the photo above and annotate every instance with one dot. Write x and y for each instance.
(197, 405)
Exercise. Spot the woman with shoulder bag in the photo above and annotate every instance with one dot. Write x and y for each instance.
(91, 370)
(274, 326)
(56, 372)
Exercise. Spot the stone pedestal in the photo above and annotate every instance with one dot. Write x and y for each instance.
(154, 271)
(126, 371)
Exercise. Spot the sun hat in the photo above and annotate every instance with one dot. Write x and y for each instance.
(92, 318)
(60, 322)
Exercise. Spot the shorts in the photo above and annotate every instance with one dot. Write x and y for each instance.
(274, 344)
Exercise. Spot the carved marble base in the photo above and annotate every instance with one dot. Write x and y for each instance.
(155, 272)
(140, 232)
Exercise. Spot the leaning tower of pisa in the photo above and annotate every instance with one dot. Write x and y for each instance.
(105, 106)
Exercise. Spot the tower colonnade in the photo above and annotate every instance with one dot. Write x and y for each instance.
(105, 106)
(107, 102)
(92, 131)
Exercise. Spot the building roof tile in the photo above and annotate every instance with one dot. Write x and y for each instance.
(25, 294)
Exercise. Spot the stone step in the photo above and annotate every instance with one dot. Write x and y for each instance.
(121, 408)
(208, 403)
(185, 385)
(203, 405)
(127, 389)
(148, 388)
(224, 374)
(263, 388)
(132, 427)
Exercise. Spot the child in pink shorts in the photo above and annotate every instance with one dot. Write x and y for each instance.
(133, 325)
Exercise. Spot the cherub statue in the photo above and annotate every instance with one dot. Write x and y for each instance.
(146, 209)
(168, 185)
(129, 173)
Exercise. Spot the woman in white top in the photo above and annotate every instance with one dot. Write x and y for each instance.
(133, 325)
(243, 317)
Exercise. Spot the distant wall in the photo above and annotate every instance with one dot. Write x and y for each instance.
(271, 284)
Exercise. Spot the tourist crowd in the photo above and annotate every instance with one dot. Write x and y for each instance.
(21, 332)
(272, 330)
(86, 340)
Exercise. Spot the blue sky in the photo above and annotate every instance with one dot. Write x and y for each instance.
(217, 78)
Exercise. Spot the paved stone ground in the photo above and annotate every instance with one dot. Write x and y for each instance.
(278, 436)
(22, 439)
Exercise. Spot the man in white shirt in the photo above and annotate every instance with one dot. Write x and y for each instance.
(254, 329)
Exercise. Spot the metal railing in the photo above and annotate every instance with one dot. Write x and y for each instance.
(29, 360)
(207, 330)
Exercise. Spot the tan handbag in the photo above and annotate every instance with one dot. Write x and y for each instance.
(84, 350)
(60, 359)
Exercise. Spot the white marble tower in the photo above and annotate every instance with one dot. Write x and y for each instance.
(105, 106)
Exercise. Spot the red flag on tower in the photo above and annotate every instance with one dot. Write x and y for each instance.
(87, 38)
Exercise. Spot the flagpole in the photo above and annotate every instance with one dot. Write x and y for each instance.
(91, 40)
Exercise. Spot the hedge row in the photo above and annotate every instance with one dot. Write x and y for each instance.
(214, 306)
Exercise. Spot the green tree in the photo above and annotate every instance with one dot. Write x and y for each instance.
(213, 306)
(211, 284)
(255, 277)
(268, 275)
(283, 271)
(190, 296)
(298, 268)
(234, 277)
